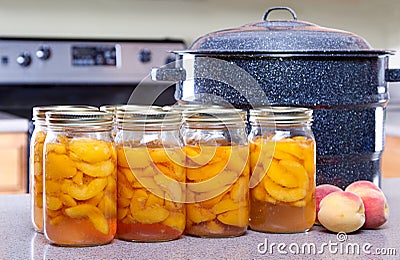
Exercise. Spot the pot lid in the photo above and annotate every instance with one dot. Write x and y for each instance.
(277, 36)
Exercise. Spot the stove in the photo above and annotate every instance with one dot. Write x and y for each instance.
(51, 71)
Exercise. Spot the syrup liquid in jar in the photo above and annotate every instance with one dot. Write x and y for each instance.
(151, 175)
(80, 171)
(36, 158)
(217, 172)
(282, 162)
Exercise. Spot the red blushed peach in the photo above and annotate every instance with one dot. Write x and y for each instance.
(321, 192)
(341, 211)
(375, 204)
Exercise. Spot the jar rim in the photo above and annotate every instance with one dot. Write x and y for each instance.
(79, 119)
(39, 112)
(214, 116)
(281, 115)
(148, 117)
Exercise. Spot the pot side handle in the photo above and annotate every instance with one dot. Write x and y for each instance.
(168, 74)
(392, 75)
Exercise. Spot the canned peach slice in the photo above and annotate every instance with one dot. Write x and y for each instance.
(150, 215)
(52, 187)
(281, 155)
(259, 192)
(40, 136)
(215, 227)
(175, 220)
(111, 187)
(100, 169)
(295, 169)
(281, 176)
(171, 205)
(154, 200)
(84, 192)
(238, 217)
(96, 199)
(171, 170)
(205, 172)
(199, 155)
(281, 193)
(53, 203)
(37, 168)
(124, 191)
(108, 207)
(59, 166)
(196, 214)
(94, 214)
(289, 147)
(53, 213)
(90, 150)
(56, 147)
(212, 201)
(133, 157)
(303, 202)
(126, 175)
(121, 213)
(219, 182)
(68, 200)
(239, 189)
(225, 205)
(78, 178)
(123, 202)
(161, 155)
(170, 187)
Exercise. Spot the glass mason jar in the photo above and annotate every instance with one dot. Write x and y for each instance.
(36, 159)
(217, 174)
(151, 175)
(282, 162)
(80, 171)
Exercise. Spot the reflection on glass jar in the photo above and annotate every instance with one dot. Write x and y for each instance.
(282, 162)
(217, 178)
(80, 179)
(151, 175)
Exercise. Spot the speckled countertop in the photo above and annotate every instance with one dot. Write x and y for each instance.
(19, 241)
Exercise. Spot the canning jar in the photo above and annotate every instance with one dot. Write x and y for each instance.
(36, 158)
(282, 162)
(151, 175)
(217, 173)
(80, 171)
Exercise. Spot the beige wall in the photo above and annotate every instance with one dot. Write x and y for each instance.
(376, 20)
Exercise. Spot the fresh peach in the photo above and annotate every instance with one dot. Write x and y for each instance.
(321, 192)
(375, 204)
(341, 211)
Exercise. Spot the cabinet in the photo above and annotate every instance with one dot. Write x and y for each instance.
(13, 163)
(391, 157)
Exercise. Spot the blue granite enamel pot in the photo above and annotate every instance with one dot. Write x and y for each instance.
(296, 63)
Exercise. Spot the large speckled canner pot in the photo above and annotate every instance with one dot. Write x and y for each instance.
(296, 63)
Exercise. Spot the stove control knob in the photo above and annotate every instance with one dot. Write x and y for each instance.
(170, 59)
(144, 55)
(24, 59)
(43, 53)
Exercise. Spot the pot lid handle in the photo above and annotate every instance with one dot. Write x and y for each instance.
(279, 8)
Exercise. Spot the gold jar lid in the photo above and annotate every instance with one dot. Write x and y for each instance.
(126, 107)
(78, 119)
(214, 116)
(281, 115)
(147, 117)
(39, 112)
(190, 107)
